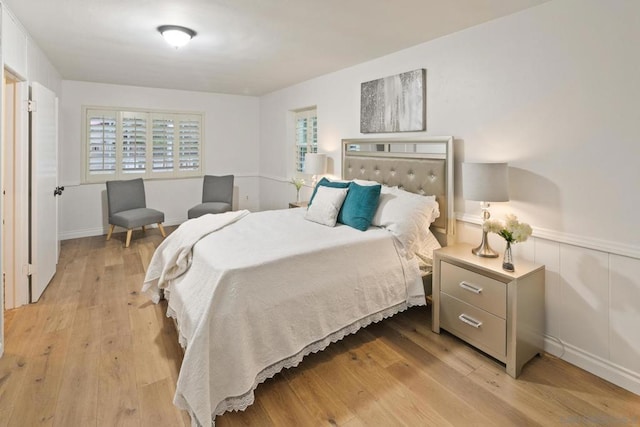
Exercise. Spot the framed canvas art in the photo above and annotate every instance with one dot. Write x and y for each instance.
(394, 103)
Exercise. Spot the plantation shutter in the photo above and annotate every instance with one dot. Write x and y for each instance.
(306, 135)
(146, 144)
(134, 142)
(164, 130)
(190, 143)
(102, 134)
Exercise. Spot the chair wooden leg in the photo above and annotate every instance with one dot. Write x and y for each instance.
(144, 229)
(129, 231)
(162, 230)
(110, 231)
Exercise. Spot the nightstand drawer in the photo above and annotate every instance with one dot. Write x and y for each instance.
(477, 327)
(475, 289)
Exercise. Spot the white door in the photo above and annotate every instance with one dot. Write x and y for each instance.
(44, 180)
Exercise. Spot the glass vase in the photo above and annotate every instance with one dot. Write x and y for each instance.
(507, 262)
(298, 195)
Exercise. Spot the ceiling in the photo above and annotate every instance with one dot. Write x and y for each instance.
(249, 47)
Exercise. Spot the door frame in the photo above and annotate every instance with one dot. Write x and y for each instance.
(16, 146)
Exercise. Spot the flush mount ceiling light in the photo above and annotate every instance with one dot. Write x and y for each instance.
(175, 35)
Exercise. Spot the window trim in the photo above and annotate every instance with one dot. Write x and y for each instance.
(149, 174)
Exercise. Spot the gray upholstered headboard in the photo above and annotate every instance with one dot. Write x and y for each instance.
(422, 166)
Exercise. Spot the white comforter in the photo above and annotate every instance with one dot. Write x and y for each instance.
(267, 289)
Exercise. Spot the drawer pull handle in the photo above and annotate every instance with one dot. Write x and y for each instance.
(469, 287)
(470, 321)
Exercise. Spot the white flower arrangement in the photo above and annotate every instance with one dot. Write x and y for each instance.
(297, 182)
(511, 229)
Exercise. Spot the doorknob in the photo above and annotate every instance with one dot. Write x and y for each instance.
(58, 191)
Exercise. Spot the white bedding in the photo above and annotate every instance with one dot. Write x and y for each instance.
(173, 256)
(270, 288)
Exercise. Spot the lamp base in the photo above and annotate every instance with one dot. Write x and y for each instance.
(484, 250)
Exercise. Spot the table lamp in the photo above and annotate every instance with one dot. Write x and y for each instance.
(315, 164)
(485, 182)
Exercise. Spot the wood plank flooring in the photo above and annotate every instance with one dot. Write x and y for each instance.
(94, 352)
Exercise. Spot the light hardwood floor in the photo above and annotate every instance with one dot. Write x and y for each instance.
(94, 352)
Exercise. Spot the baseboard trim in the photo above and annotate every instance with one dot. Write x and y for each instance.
(101, 231)
(596, 365)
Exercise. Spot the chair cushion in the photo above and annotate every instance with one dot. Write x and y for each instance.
(134, 218)
(205, 208)
(125, 195)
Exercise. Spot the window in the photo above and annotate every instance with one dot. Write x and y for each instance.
(306, 135)
(134, 143)
(125, 144)
(101, 142)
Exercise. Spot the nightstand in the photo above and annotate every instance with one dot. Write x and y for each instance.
(498, 312)
(298, 204)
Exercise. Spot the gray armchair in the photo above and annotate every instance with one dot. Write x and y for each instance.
(128, 207)
(217, 196)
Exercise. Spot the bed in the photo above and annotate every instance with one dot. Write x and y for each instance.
(253, 293)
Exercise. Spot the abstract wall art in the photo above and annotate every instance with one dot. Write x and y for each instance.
(394, 103)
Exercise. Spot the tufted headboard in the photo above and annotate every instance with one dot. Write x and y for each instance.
(422, 166)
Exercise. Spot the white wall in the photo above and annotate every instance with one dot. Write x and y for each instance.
(553, 91)
(549, 90)
(231, 147)
(23, 57)
(14, 44)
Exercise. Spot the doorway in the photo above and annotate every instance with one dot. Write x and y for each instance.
(29, 177)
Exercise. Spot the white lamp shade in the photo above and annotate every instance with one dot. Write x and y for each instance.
(485, 182)
(315, 163)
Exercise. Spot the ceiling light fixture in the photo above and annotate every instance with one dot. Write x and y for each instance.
(175, 35)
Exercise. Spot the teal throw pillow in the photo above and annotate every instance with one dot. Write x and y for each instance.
(326, 183)
(360, 206)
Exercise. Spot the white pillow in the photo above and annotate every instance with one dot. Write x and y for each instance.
(326, 205)
(408, 217)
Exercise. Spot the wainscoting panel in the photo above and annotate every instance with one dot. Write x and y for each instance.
(548, 253)
(624, 279)
(584, 284)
